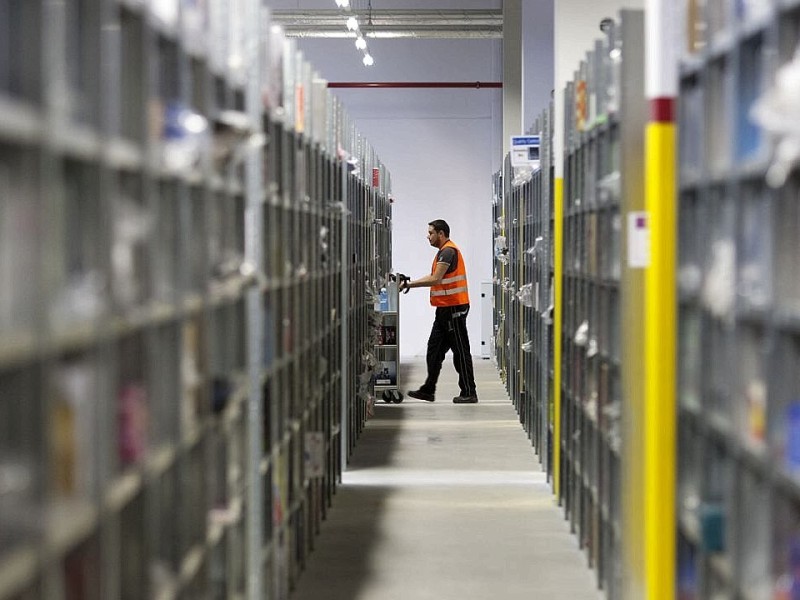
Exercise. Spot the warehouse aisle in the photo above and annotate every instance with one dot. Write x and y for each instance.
(446, 502)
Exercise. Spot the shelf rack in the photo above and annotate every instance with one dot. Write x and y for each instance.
(738, 344)
(186, 237)
(523, 212)
(600, 375)
(604, 127)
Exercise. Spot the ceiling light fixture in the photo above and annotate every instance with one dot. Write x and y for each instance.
(354, 28)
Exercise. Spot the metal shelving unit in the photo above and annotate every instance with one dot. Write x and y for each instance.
(738, 341)
(523, 299)
(604, 127)
(178, 356)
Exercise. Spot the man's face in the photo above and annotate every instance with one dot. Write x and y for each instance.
(433, 236)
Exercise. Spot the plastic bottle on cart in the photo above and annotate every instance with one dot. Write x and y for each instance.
(384, 299)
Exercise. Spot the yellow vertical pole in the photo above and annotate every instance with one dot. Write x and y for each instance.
(558, 249)
(661, 88)
(660, 352)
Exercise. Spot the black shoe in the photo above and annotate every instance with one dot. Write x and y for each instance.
(465, 399)
(420, 395)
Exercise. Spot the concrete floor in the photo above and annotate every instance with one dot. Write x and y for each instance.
(446, 502)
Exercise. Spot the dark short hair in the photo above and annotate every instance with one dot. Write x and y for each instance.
(441, 225)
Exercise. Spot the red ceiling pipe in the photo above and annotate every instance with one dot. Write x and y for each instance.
(477, 85)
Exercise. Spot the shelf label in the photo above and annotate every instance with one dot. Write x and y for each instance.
(525, 151)
(638, 240)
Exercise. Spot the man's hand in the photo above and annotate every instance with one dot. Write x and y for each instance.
(403, 283)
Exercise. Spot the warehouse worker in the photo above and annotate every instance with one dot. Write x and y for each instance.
(448, 283)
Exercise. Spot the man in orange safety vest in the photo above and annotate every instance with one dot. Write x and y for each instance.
(449, 295)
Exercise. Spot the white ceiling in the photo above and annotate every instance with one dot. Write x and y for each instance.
(476, 19)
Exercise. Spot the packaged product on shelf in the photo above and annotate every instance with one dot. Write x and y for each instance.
(756, 412)
(314, 454)
(792, 438)
(755, 252)
(383, 300)
(81, 299)
(386, 373)
(369, 404)
(522, 175)
(72, 429)
(719, 290)
(133, 423)
(301, 89)
(165, 11)
(525, 295)
(389, 335)
(185, 137)
(687, 574)
(324, 244)
(132, 226)
(82, 567)
(753, 10)
(500, 246)
(777, 112)
(712, 527)
(787, 587)
(191, 376)
(582, 334)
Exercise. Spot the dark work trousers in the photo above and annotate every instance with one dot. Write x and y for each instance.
(449, 332)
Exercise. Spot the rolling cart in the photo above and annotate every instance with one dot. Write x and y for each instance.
(387, 348)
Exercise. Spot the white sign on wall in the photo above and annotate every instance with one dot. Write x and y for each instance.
(525, 151)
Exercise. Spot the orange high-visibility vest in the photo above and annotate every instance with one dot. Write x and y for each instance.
(453, 289)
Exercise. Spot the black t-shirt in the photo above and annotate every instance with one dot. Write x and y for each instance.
(449, 256)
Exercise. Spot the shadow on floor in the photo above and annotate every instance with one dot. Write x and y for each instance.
(355, 515)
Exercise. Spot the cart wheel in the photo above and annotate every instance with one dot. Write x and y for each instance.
(392, 396)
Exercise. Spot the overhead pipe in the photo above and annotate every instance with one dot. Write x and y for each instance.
(478, 85)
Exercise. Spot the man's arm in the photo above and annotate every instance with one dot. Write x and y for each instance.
(429, 280)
